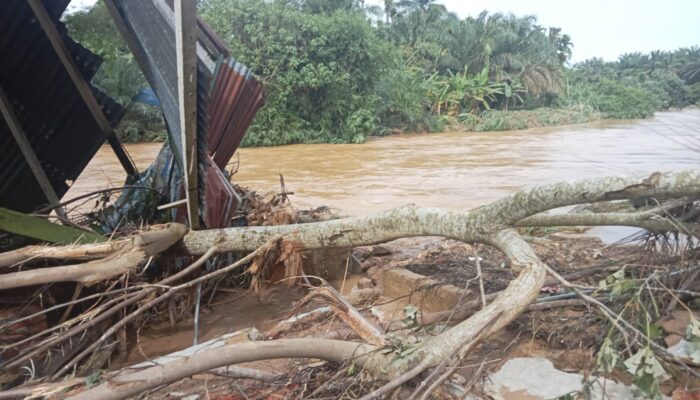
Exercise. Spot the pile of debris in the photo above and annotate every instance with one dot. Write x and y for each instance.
(622, 313)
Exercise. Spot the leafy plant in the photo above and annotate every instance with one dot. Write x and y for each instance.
(648, 373)
(337, 72)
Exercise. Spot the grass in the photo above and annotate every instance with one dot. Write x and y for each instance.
(494, 120)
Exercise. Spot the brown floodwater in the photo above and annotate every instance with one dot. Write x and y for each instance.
(454, 170)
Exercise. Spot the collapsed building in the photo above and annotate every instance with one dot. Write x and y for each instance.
(55, 120)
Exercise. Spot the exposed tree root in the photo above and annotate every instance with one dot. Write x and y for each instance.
(165, 296)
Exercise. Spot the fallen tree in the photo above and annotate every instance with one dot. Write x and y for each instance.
(117, 259)
(493, 224)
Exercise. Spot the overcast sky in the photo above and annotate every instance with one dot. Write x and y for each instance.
(598, 28)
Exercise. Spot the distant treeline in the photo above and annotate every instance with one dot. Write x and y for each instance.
(338, 71)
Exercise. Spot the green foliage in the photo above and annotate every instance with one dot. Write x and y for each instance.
(319, 68)
(405, 100)
(495, 120)
(614, 98)
(616, 283)
(338, 71)
(694, 94)
(692, 335)
(608, 357)
(119, 75)
(637, 84)
(634, 343)
(648, 373)
(94, 379)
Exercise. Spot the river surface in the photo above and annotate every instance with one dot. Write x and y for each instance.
(456, 170)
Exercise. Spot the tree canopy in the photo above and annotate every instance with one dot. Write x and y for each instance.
(338, 71)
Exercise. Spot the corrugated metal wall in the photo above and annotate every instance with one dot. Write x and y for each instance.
(228, 97)
(58, 124)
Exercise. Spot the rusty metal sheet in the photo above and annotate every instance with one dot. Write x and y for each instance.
(228, 97)
(235, 99)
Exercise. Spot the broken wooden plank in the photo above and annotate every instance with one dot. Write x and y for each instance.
(186, 46)
(83, 87)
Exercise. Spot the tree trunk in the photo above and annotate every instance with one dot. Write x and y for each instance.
(130, 252)
(491, 224)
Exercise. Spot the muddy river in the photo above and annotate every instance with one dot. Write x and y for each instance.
(453, 170)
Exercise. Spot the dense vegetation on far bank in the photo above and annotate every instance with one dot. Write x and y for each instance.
(336, 71)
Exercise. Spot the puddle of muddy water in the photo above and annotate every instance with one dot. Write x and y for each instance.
(231, 312)
(345, 285)
(613, 234)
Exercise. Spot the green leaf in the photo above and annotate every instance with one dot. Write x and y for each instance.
(94, 379)
(608, 357)
(351, 369)
(655, 332)
(648, 373)
(616, 283)
(408, 351)
(693, 336)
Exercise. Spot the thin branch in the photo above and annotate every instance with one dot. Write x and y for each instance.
(646, 220)
(618, 321)
(479, 275)
(131, 299)
(165, 296)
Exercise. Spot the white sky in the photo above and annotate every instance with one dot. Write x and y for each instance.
(598, 28)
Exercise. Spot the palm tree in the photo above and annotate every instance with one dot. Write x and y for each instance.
(688, 64)
(389, 11)
(511, 90)
(412, 5)
(562, 43)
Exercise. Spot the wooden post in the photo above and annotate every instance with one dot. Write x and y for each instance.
(186, 45)
(83, 87)
(26, 148)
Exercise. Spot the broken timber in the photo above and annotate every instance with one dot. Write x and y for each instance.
(186, 46)
(83, 88)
